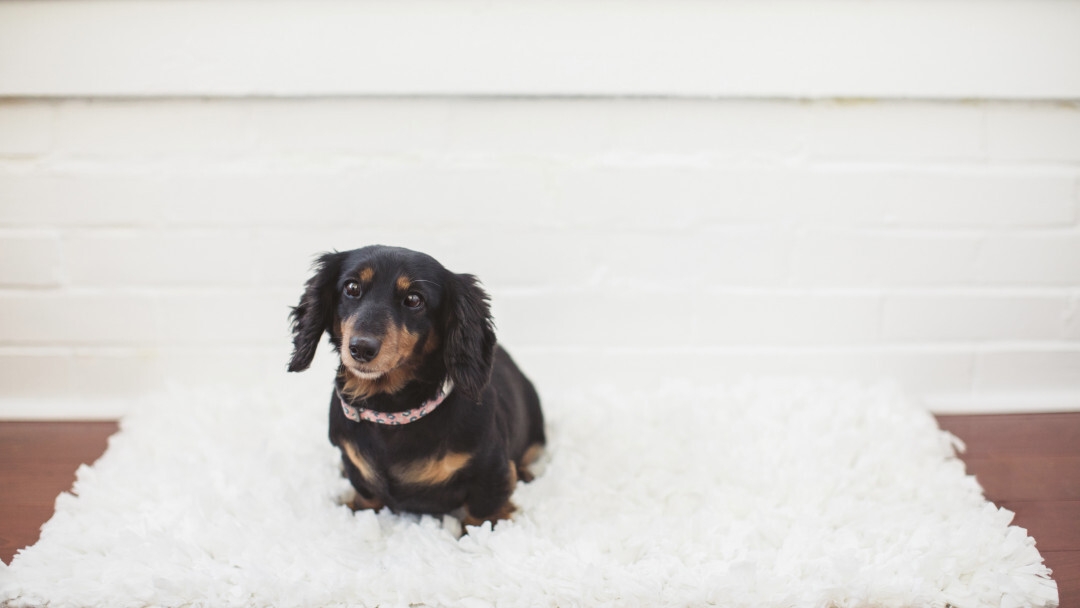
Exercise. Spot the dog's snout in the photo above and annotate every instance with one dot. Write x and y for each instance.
(364, 349)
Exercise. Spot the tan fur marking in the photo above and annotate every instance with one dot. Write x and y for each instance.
(360, 503)
(531, 455)
(504, 512)
(431, 471)
(360, 462)
(404, 343)
(396, 354)
(431, 344)
(513, 476)
(403, 283)
(367, 274)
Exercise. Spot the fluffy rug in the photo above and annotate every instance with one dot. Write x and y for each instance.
(767, 493)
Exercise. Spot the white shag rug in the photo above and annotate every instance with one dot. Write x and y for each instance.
(767, 493)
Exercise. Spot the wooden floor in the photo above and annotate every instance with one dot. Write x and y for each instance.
(1028, 463)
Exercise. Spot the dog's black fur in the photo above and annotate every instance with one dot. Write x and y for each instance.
(402, 324)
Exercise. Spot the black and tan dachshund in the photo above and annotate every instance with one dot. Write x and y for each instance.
(430, 414)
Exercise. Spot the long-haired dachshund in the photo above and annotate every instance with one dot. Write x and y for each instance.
(429, 413)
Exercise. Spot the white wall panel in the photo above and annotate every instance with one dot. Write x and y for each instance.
(649, 190)
(1026, 49)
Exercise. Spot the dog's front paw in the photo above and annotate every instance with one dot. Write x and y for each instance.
(360, 503)
(505, 511)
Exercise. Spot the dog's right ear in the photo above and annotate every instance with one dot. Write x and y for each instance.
(313, 315)
(470, 336)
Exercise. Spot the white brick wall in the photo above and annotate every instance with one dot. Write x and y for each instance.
(154, 240)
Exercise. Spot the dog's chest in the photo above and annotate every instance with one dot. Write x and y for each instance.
(395, 462)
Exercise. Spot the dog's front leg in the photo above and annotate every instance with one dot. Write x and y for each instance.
(362, 476)
(489, 495)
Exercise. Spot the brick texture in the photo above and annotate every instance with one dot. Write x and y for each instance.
(148, 242)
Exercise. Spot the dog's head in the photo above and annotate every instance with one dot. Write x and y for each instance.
(392, 314)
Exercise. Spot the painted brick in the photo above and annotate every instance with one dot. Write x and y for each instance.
(115, 374)
(34, 375)
(1071, 317)
(251, 318)
(1029, 132)
(670, 199)
(919, 372)
(485, 131)
(683, 317)
(933, 242)
(934, 198)
(846, 258)
(50, 200)
(45, 383)
(683, 198)
(716, 257)
(97, 385)
(1049, 368)
(944, 317)
(923, 372)
(910, 132)
(604, 198)
(541, 257)
(1030, 259)
(248, 368)
(50, 318)
(497, 129)
(159, 258)
(31, 260)
(134, 128)
(391, 132)
(284, 259)
(361, 199)
(492, 134)
(25, 128)
(392, 129)
(725, 130)
(628, 132)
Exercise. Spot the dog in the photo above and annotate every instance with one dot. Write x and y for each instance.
(430, 414)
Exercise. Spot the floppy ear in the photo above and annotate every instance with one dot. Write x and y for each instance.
(312, 316)
(470, 336)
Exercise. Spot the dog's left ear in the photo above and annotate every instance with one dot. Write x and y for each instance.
(313, 315)
(470, 336)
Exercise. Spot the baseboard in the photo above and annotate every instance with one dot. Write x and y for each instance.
(1022, 402)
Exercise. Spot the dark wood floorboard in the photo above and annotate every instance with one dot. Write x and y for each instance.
(1066, 567)
(1030, 465)
(39, 460)
(1008, 435)
(1027, 463)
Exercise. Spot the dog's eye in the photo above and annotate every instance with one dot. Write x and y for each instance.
(413, 301)
(352, 289)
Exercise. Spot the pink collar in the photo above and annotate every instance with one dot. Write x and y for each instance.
(356, 414)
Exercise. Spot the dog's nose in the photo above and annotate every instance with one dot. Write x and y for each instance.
(364, 349)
